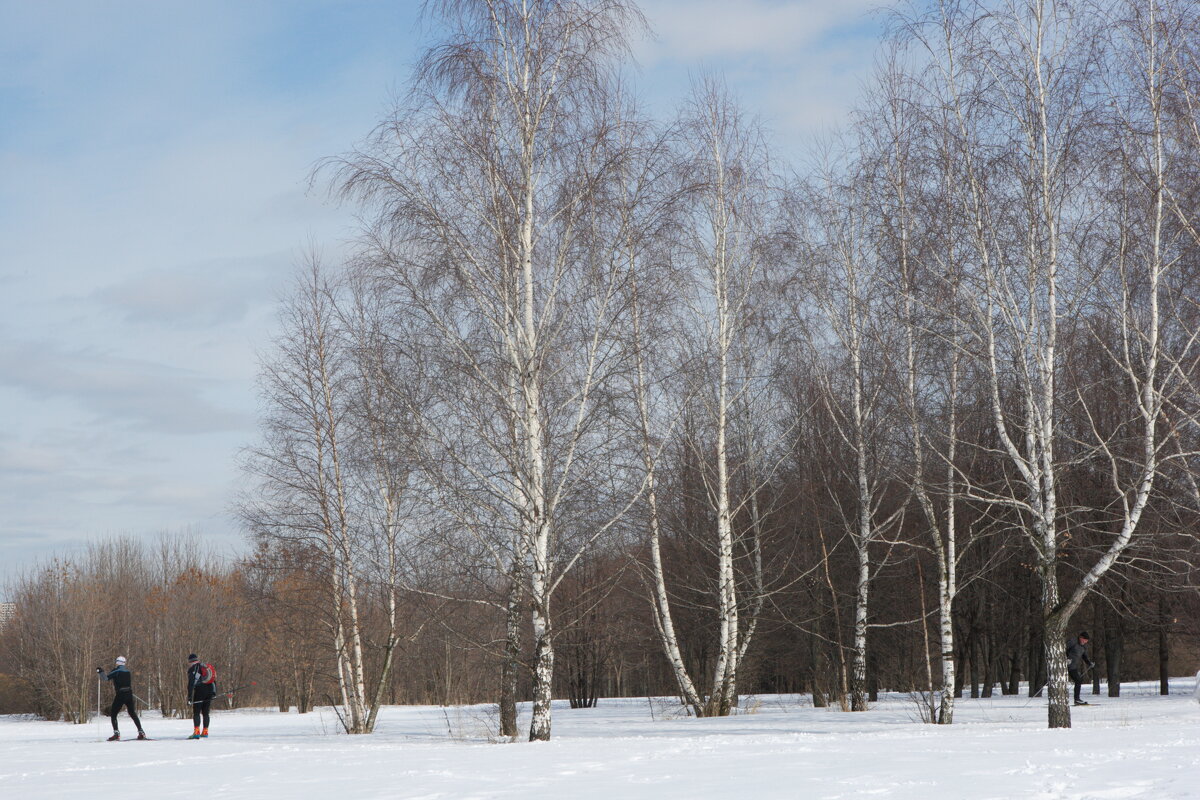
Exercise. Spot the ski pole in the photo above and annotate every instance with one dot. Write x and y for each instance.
(227, 692)
(99, 735)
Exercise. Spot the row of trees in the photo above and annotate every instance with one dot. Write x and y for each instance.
(260, 623)
(257, 621)
(152, 604)
(963, 338)
(608, 404)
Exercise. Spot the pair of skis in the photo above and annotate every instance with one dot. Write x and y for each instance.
(148, 739)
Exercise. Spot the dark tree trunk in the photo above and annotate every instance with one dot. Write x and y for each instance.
(1114, 647)
(583, 666)
(1164, 650)
(304, 690)
(1014, 673)
(820, 693)
(988, 675)
(872, 677)
(962, 657)
(960, 671)
(1037, 666)
(975, 650)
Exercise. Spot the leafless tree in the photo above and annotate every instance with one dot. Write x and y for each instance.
(1022, 83)
(304, 494)
(485, 193)
(724, 386)
(852, 354)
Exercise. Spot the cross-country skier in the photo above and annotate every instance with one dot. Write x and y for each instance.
(202, 688)
(122, 680)
(1077, 656)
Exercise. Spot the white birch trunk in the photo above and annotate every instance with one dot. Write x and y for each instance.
(343, 548)
(725, 669)
(510, 670)
(724, 679)
(858, 683)
(664, 622)
(536, 523)
(864, 533)
(948, 561)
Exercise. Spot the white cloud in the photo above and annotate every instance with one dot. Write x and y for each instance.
(203, 294)
(28, 459)
(798, 65)
(152, 397)
(696, 30)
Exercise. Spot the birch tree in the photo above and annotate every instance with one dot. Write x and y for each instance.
(918, 247)
(483, 195)
(723, 241)
(384, 459)
(1021, 82)
(851, 358)
(1170, 30)
(303, 471)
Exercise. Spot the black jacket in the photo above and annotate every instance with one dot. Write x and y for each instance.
(121, 678)
(1077, 656)
(198, 691)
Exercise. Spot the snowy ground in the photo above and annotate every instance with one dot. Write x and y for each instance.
(1138, 746)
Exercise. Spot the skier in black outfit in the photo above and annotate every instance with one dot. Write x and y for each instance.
(200, 695)
(122, 680)
(1077, 657)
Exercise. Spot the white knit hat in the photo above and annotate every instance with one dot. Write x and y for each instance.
(120, 659)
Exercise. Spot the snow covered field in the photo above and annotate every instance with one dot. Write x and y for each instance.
(1139, 745)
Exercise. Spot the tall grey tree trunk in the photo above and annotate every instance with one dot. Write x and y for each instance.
(858, 698)
(510, 671)
(664, 622)
(543, 676)
(1164, 647)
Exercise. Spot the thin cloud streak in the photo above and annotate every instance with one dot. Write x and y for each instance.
(156, 398)
(690, 31)
(206, 294)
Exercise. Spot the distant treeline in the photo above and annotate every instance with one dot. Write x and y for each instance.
(609, 404)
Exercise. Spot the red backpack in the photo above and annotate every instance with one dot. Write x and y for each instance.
(208, 673)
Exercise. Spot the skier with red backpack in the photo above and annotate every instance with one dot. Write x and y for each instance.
(202, 688)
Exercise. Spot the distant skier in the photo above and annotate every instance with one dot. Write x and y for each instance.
(1077, 657)
(202, 688)
(122, 680)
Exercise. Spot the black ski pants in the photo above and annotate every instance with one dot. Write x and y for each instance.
(1076, 676)
(200, 709)
(124, 699)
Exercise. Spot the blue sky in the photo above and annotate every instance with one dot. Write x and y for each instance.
(154, 201)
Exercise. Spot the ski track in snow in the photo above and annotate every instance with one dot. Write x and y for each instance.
(1140, 745)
